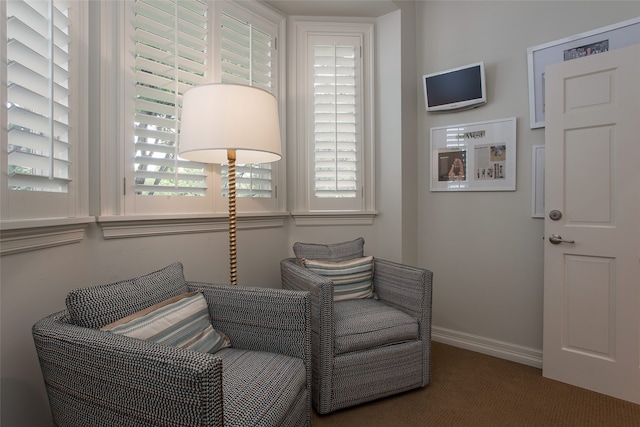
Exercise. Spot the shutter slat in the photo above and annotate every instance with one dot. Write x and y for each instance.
(186, 80)
(154, 80)
(155, 148)
(39, 162)
(158, 135)
(32, 101)
(232, 49)
(20, 75)
(35, 122)
(232, 70)
(159, 12)
(17, 29)
(25, 12)
(151, 94)
(29, 58)
(149, 43)
(26, 182)
(37, 143)
(253, 193)
(157, 161)
(198, 7)
(232, 25)
(171, 175)
(159, 190)
(153, 120)
(155, 107)
(194, 75)
(234, 79)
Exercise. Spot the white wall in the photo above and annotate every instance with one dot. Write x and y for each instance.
(389, 143)
(484, 248)
(396, 135)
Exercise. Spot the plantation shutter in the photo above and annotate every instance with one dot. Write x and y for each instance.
(248, 58)
(336, 125)
(38, 91)
(171, 56)
(247, 54)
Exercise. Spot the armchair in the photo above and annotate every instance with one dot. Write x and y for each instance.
(99, 378)
(364, 349)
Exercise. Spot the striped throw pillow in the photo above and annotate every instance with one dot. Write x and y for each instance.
(182, 321)
(352, 279)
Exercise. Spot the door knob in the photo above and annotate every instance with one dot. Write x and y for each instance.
(556, 239)
(555, 215)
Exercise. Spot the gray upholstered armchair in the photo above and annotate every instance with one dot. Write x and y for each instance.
(364, 349)
(99, 378)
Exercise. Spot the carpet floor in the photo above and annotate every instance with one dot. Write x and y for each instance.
(476, 390)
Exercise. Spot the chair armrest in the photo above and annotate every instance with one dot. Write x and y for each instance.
(404, 287)
(117, 380)
(409, 289)
(261, 319)
(295, 276)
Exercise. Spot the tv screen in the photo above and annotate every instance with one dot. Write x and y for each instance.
(455, 89)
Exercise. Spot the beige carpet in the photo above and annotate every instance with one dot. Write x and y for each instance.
(472, 389)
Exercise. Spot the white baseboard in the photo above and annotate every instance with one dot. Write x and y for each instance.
(503, 350)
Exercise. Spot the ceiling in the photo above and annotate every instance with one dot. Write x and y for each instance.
(346, 8)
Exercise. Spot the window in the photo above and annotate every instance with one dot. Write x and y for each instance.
(171, 42)
(249, 56)
(171, 54)
(45, 144)
(177, 45)
(335, 160)
(336, 133)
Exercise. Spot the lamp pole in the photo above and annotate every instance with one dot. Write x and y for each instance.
(231, 156)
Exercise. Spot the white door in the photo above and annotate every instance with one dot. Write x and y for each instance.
(592, 206)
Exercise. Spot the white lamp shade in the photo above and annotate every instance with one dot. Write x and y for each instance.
(219, 117)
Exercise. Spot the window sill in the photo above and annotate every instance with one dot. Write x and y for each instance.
(31, 235)
(333, 218)
(120, 227)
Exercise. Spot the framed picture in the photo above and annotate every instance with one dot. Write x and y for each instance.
(603, 39)
(537, 190)
(474, 156)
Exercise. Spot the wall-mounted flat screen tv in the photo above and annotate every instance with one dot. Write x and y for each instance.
(455, 89)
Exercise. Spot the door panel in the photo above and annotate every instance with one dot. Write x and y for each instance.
(588, 173)
(588, 310)
(592, 267)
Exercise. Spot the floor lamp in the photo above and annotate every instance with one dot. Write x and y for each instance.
(227, 123)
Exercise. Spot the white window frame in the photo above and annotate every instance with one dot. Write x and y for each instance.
(35, 220)
(337, 212)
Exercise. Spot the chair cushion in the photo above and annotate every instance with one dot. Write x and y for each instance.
(330, 252)
(274, 383)
(96, 306)
(181, 321)
(351, 279)
(368, 323)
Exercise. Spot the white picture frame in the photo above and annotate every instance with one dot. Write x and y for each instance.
(537, 181)
(603, 39)
(477, 156)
